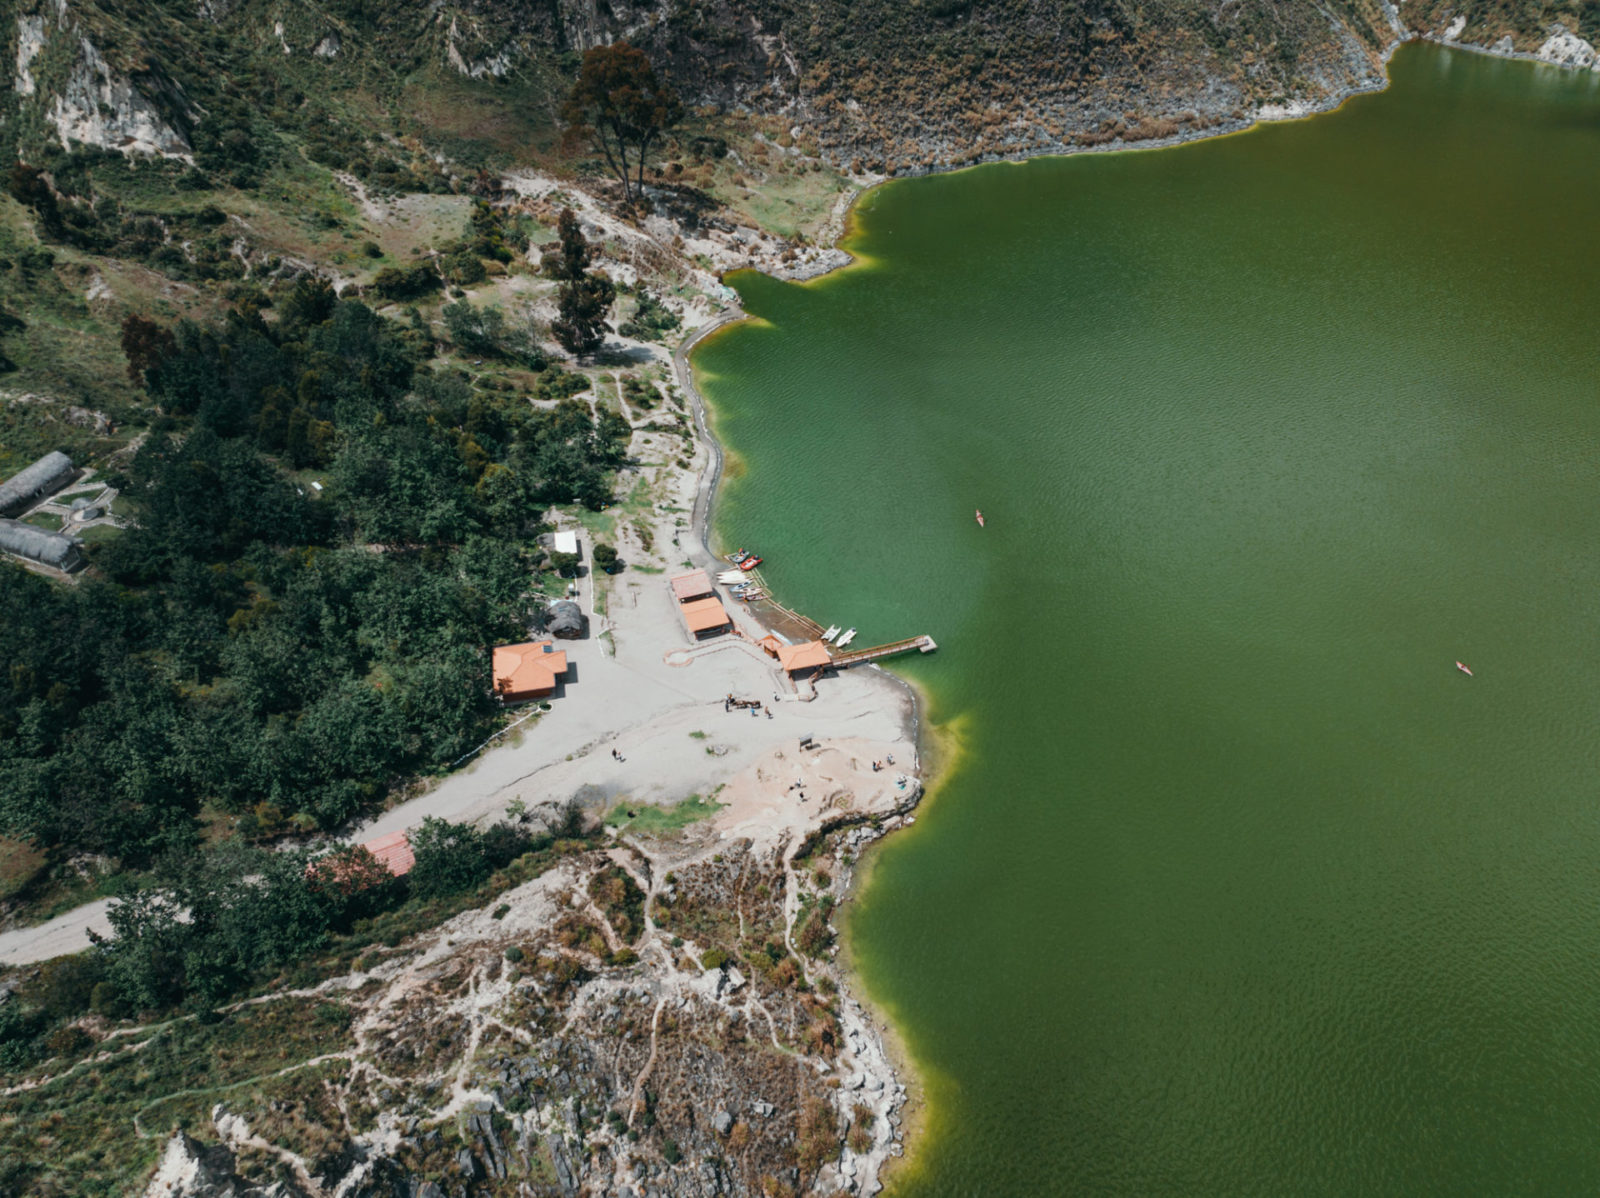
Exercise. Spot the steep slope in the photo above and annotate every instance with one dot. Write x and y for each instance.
(898, 85)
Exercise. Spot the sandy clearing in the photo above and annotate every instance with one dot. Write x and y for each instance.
(637, 684)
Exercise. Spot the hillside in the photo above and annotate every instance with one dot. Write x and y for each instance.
(335, 455)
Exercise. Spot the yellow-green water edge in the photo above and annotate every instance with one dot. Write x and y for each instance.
(1237, 886)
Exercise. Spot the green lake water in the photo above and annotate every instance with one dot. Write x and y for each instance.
(1232, 884)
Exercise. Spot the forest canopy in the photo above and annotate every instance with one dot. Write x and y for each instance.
(257, 647)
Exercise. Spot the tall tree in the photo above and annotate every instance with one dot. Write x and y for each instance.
(581, 325)
(571, 256)
(619, 105)
(585, 296)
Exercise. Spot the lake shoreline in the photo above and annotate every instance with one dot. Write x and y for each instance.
(836, 257)
(917, 1112)
(902, 1070)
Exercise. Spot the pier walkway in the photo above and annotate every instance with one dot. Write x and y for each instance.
(856, 657)
(795, 628)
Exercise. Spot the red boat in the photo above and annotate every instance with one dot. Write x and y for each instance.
(980, 519)
(750, 563)
(1464, 669)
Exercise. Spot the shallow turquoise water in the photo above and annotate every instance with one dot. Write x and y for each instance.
(1235, 886)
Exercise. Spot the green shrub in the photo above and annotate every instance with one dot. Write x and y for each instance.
(514, 954)
(68, 1041)
(714, 958)
(464, 268)
(406, 282)
(651, 321)
(450, 859)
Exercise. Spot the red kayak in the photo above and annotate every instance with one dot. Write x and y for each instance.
(1464, 669)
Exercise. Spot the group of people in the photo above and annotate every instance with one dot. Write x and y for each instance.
(730, 702)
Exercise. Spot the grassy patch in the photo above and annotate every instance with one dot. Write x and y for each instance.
(20, 864)
(78, 1133)
(50, 520)
(99, 532)
(641, 818)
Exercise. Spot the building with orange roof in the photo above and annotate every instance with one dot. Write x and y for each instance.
(346, 872)
(393, 852)
(527, 671)
(771, 644)
(696, 584)
(705, 618)
(803, 658)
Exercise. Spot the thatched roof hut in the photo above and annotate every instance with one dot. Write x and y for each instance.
(37, 545)
(564, 618)
(46, 476)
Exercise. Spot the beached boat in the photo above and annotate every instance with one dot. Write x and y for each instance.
(980, 519)
(846, 638)
(750, 563)
(731, 576)
(832, 632)
(1464, 669)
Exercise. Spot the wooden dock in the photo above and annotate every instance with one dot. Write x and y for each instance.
(856, 657)
(796, 628)
(808, 628)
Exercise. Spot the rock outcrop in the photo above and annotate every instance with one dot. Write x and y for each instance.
(67, 79)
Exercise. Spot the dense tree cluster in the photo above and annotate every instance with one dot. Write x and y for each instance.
(212, 924)
(253, 646)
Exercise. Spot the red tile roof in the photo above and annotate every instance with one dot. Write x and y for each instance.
(394, 852)
(693, 585)
(808, 656)
(528, 670)
(702, 615)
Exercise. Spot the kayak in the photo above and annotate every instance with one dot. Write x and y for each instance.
(1464, 669)
(980, 519)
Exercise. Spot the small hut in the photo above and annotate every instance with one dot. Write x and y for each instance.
(564, 619)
